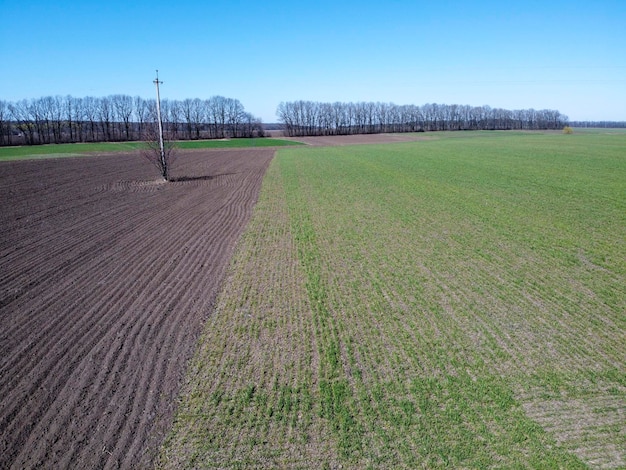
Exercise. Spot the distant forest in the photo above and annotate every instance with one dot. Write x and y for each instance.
(599, 124)
(56, 119)
(121, 118)
(313, 118)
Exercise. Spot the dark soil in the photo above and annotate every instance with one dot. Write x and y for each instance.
(107, 275)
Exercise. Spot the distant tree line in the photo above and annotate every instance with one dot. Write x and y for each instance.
(303, 118)
(57, 119)
(600, 124)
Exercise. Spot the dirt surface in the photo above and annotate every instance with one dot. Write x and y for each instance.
(106, 277)
(334, 140)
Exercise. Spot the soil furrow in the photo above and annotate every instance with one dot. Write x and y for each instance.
(114, 282)
(149, 228)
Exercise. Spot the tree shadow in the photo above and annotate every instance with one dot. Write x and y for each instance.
(183, 179)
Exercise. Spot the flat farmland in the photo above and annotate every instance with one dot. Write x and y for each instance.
(107, 276)
(457, 302)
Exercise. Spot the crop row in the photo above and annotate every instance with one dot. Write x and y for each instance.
(430, 299)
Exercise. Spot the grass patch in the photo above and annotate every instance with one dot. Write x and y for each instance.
(85, 149)
(235, 143)
(439, 304)
(64, 150)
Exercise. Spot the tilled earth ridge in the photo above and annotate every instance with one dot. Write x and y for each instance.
(106, 277)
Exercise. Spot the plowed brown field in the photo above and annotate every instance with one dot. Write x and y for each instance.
(358, 139)
(106, 277)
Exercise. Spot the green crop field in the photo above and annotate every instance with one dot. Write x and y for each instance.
(31, 152)
(451, 303)
(235, 143)
(84, 149)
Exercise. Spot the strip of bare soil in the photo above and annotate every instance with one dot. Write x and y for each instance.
(106, 277)
(356, 139)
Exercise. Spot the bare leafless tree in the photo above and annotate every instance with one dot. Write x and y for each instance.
(5, 123)
(120, 117)
(105, 114)
(141, 114)
(123, 107)
(152, 150)
(311, 118)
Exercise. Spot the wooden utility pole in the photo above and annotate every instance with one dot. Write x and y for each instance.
(161, 148)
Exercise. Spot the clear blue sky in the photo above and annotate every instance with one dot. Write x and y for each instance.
(565, 55)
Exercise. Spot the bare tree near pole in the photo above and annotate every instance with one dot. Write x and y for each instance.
(160, 121)
(157, 151)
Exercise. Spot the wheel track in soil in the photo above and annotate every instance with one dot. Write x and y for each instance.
(91, 364)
